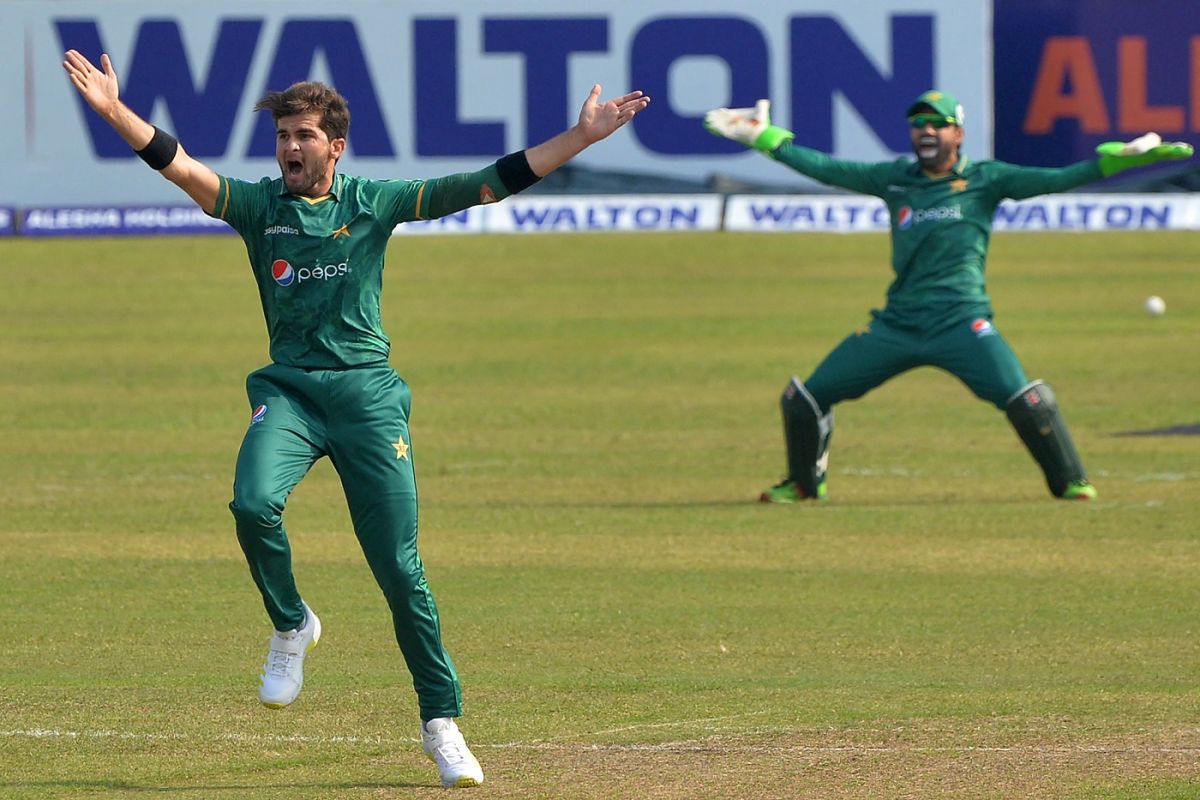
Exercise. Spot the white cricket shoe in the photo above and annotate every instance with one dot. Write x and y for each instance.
(446, 747)
(283, 674)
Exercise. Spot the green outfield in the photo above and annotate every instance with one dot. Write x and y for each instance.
(593, 418)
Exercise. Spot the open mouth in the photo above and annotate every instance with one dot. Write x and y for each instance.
(294, 169)
(927, 147)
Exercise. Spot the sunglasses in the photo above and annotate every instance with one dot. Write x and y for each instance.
(936, 120)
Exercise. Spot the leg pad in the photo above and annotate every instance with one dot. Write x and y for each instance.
(806, 432)
(1033, 412)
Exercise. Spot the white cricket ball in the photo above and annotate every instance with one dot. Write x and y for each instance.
(1155, 305)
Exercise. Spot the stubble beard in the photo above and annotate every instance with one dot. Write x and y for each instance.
(303, 183)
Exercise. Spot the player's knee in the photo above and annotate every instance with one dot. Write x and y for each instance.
(402, 582)
(254, 510)
(797, 401)
(1034, 400)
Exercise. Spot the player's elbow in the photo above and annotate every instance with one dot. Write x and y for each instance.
(196, 180)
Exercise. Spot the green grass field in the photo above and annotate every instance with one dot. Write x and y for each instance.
(593, 418)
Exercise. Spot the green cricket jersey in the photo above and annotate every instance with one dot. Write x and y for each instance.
(940, 226)
(319, 262)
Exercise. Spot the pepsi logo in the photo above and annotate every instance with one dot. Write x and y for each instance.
(904, 218)
(982, 327)
(258, 413)
(283, 273)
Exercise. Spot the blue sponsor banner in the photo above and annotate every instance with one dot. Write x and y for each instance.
(1069, 74)
(118, 221)
(7, 220)
(437, 90)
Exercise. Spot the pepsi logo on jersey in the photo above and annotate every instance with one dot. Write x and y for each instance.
(285, 274)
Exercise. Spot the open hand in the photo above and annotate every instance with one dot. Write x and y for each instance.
(598, 120)
(742, 125)
(98, 86)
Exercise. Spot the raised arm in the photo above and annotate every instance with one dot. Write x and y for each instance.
(596, 121)
(1022, 182)
(518, 171)
(752, 127)
(100, 90)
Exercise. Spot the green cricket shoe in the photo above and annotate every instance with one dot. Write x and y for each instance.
(1079, 490)
(788, 491)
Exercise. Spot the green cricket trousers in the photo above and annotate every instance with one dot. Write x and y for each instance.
(359, 418)
(972, 350)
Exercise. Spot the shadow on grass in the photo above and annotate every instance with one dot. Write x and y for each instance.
(600, 505)
(207, 789)
(1174, 430)
(930, 500)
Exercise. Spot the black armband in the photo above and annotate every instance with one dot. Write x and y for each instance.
(161, 151)
(515, 172)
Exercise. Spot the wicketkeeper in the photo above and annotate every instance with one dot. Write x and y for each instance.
(938, 312)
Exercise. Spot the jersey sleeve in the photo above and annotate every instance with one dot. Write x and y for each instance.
(1018, 183)
(405, 201)
(857, 176)
(240, 203)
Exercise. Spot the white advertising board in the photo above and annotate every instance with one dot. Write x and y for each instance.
(1061, 212)
(581, 214)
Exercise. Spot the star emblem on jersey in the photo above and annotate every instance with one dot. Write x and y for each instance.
(401, 448)
(342, 231)
(959, 185)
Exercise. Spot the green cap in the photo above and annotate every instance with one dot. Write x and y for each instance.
(942, 103)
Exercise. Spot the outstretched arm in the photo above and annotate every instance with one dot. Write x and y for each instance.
(518, 171)
(1147, 149)
(99, 88)
(1022, 182)
(596, 121)
(752, 127)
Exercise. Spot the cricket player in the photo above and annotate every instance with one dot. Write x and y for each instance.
(316, 239)
(938, 312)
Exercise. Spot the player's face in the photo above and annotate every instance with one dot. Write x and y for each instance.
(305, 154)
(936, 148)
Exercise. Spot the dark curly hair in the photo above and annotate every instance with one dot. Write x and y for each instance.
(307, 97)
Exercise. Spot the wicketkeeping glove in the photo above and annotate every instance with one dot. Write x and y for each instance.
(1147, 149)
(749, 126)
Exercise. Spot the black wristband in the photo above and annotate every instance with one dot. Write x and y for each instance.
(515, 172)
(161, 151)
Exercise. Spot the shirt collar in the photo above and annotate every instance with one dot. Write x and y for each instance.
(960, 166)
(335, 188)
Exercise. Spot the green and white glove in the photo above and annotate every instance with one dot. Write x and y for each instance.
(749, 126)
(1148, 149)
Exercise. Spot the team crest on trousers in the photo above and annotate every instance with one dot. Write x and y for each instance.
(401, 448)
